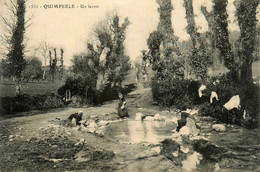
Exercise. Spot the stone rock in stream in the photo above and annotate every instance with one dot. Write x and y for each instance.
(103, 123)
(185, 149)
(192, 161)
(209, 150)
(158, 117)
(139, 116)
(149, 118)
(92, 127)
(174, 120)
(219, 127)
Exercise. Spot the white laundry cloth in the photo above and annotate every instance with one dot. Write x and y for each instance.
(213, 95)
(192, 127)
(202, 87)
(102, 57)
(234, 102)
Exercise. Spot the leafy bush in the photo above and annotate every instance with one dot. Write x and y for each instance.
(108, 92)
(87, 94)
(81, 87)
(174, 92)
(24, 103)
(206, 109)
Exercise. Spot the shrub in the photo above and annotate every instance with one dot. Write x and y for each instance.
(175, 92)
(206, 109)
(108, 92)
(89, 95)
(80, 86)
(24, 103)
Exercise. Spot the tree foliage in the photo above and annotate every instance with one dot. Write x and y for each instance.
(221, 33)
(85, 70)
(111, 36)
(33, 69)
(15, 56)
(163, 50)
(200, 58)
(5, 70)
(246, 15)
(154, 41)
(86, 65)
(105, 56)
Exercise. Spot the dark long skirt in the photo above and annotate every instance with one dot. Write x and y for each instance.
(123, 113)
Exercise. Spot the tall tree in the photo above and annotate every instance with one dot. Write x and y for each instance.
(209, 16)
(191, 28)
(154, 42)
(61, 62)
(246, 15)
(111, 35)
(15, 55)
(162, 43)
(198, 59)
(165, 27)
(201, 57)
(50, 64)
(222, 35)
(42, 50)
(53, 64)
(85, 67)
(211, 37)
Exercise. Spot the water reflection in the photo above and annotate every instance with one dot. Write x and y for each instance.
(139, 131)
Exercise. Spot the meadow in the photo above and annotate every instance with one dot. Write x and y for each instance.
(7, 87)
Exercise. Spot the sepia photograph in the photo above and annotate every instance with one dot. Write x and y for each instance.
(129, 85)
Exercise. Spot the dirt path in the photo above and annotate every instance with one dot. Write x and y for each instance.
(41, 143)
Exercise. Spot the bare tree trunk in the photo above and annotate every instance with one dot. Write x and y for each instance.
(61, 66)
(199, 59)
(191, 28)
(210, 19)
(50, 64)
(44, 70)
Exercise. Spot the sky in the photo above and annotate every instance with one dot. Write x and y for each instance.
(70, 29)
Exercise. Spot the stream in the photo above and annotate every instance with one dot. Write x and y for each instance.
(207, 156)
(130, 131)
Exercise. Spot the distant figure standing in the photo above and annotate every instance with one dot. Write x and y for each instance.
(122, 110)
(18, 89)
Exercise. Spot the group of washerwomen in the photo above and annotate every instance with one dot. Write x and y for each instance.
(186, 119)
(121, 111)
(232, 105)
